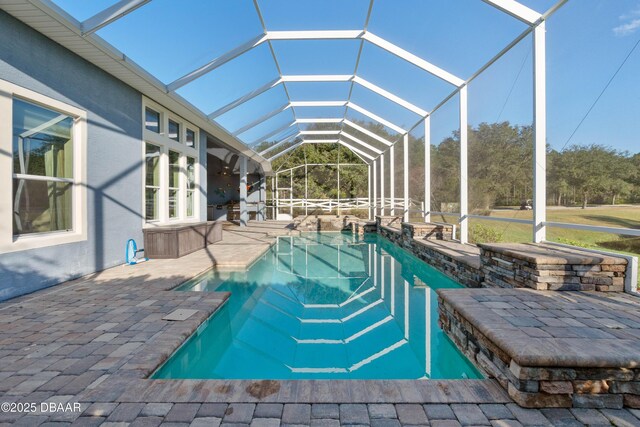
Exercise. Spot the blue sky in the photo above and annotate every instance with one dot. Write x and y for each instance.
(587, 41)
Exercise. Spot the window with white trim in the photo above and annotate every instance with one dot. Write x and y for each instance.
(174, 130)
(46, 142)
(42, 169)
(171, 162)
(174, 184)
(191, 186)
(152, 120)
(190, 138)
(152, 182)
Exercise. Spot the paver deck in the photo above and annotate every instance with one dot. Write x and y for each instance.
(95, 341)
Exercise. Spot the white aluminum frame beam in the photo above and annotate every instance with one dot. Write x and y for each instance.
(319, 132)
(392, 179)
(317, 78)
(382, 184)
(315, 35)
(319, 120)
(280, 143)
(390, 96)
(427, 169)
(367, 132)
(373, 39)
(273, 54)
(273, 133)
(365, 157)
(356, 150)
(319, 103)
(361, 142)
(353, 106)
(244, 98)
(244, 213)
(261, 119)
(375, 187)
(516, 10)
(321, 141)
(464, 184)
(219, 61)
(109, 15)
(539, 134)
(405, 176)
(296, 145)
(375, 117)
(413, 59)
(364, 160)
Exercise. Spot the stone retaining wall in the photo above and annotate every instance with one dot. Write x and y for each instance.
(546, 267)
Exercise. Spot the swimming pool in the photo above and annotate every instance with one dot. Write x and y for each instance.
(320, 306)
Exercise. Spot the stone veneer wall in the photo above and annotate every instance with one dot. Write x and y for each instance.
(427, 231)
(541, 387)
(415, 238)
(543, 267)
(463, 272)
(323, 222)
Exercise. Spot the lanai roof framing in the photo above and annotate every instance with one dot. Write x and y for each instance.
(122, 8)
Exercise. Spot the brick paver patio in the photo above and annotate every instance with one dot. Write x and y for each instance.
(95, 340)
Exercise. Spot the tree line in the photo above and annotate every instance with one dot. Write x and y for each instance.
(500, 170)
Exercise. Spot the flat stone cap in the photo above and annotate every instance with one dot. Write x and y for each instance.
(539, 253)
(554, 329)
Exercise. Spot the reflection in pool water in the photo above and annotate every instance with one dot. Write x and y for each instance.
(324, 305)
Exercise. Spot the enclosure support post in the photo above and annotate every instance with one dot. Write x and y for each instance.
(291, 194)
(262, 206)
(427, 169)
(244, 215)
(338, 168)
(306, 189)
(539, 133)
(369, 188)
(405, 175)
(392, 179)
(382, 184)
(464, 209)
(374, 207)
(274, 197)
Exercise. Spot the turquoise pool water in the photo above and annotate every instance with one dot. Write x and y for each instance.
(323, 305)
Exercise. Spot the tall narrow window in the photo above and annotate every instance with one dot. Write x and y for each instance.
(174, 130)
(152, 120)
(43, 177)
(174, 184)
(191, 138)
(152, 182)
(191, 186)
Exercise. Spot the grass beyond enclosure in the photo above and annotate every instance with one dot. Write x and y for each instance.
(628, 216)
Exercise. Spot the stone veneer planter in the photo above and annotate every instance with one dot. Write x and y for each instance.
(547, 267)
(548, 350)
